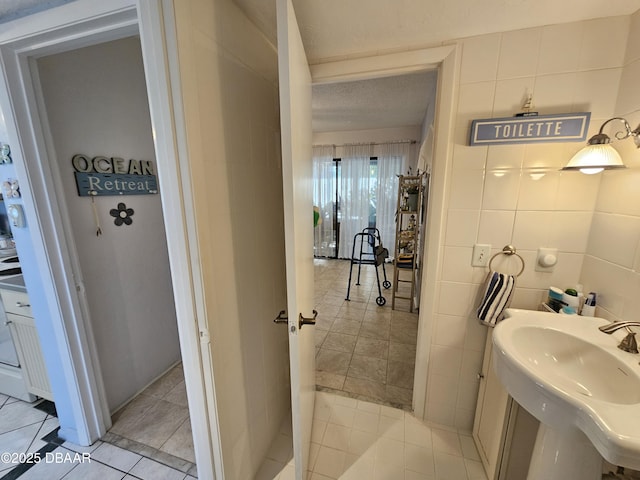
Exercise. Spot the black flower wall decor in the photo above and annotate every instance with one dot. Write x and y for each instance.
(122, 214)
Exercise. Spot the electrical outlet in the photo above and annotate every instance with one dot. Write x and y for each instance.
(481, 255)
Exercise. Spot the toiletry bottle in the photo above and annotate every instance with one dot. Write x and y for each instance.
(589, 307)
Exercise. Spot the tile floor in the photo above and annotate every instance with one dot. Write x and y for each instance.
(356, 440)
(150, 440)
(363, 350)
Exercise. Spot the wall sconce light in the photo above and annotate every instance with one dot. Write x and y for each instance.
(599, 155)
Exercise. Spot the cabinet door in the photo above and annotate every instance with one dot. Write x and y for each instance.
(492, 415)
(27, 343)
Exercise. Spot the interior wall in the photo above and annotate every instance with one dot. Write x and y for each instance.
(497, 194)
(612, 259)
(228, 75)
(96, 104)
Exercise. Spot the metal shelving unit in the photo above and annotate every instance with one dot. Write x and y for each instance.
(411, 191)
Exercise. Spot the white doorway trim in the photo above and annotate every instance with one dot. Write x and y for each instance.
(447, 60)
(71, 26)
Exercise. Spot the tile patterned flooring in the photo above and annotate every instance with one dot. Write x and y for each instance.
(150, 440)
(356, 440)
(363, 350)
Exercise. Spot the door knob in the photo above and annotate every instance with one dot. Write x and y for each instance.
(307, 321)
(281, 318)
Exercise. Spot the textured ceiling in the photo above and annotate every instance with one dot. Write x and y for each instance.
(333, 28)
(397, 101)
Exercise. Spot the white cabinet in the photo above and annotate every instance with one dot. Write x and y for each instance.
(504, 432)
(27, 343)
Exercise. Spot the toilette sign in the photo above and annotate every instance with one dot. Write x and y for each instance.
(571, 127)
(102, 176)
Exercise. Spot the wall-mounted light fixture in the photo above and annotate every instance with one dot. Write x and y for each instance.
(599, 155)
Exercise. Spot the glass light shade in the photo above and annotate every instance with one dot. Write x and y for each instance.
(595, 158)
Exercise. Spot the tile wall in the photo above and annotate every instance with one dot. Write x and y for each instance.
(516, 194)
(612, 259)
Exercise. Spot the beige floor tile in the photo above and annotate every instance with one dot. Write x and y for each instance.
(180, 443)
(382, 333)
(340, 342)
(333, 361)
(372, 347)
(366, 388)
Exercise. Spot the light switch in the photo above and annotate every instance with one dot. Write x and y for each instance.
(481, 255)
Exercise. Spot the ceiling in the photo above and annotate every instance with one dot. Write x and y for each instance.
(335, 29)
(396, 101)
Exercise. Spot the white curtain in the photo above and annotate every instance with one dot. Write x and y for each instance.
(324, 197)
(393, 160)
(355, 195)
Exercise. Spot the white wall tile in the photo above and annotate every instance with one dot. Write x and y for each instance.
(462, 227)
(604, 42)
(633, 41)
(556, 60)
(532, 229)
(538, 193)
(519, 53)
(450, 330)
(547, 157)
(445, 360)
(480, 58)
(619, 192)
(614, 238)
(469, 158)
(466, 189)
(501, 189)
(611, 283)
(456, 265)
(570, 231)
(590, 94)
(629, 94)
(496, 227)
(554, 93)
(475, 100)
(511, 94)
(577, 191)
(505, 156)
(454, 298)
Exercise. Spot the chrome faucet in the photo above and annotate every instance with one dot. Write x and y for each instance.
(628, 343)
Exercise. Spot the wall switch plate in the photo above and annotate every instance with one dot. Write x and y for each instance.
(481, 255)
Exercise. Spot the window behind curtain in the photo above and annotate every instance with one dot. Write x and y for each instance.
(355, 192)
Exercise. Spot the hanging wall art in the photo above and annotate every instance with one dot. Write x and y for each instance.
(122, 215)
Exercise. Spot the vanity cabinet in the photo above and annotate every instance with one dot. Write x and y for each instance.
(25, 337)
(504, 432)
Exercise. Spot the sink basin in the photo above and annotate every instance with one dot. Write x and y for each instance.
(575, 365)
(574, 379)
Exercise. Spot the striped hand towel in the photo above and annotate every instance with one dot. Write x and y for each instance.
(497, 296)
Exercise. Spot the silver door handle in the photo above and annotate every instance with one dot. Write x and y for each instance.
(281, 318)
(8, 322)
(20, 304)
(307, 321)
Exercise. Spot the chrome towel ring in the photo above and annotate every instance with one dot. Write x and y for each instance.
(509, 250)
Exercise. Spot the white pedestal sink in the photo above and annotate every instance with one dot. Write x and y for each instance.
(583, 389)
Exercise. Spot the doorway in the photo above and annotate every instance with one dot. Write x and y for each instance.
(375, 127)
(99, 127)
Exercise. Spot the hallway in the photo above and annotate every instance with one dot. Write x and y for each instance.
(363, 350)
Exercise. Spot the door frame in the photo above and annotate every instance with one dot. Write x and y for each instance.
(71, 26)
(447, 60)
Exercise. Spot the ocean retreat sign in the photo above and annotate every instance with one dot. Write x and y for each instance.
(102, 176)
(570, 127)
